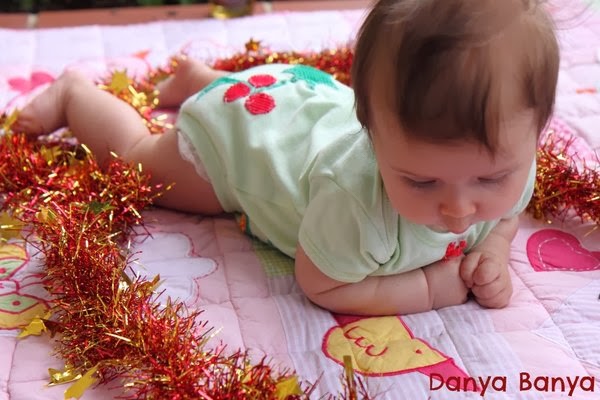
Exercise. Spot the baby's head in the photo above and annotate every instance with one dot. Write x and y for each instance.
(460, 65)
(454, 94)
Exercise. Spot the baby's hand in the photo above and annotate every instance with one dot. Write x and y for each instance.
(446, 286)
(488, 278)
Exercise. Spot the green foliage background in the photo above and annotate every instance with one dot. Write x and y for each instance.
(39, 5)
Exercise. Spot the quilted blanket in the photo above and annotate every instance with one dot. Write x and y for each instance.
(544, 345)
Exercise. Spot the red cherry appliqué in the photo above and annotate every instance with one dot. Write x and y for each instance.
(260, 103)
(236, 91)
(257, 103)
(455, 249)
(261, 80)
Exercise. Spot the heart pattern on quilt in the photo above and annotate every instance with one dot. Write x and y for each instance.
(28, 83)
(554, 250)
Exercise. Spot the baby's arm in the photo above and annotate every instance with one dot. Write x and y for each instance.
(435, 286)
(485, 269)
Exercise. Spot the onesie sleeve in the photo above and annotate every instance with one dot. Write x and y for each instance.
(340, 235)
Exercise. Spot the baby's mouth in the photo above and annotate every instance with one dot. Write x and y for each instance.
(446, 229)
(438, 228)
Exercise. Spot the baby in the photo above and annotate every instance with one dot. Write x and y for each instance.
(400, 195)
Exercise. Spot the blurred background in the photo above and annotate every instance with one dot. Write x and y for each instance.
(45, 5)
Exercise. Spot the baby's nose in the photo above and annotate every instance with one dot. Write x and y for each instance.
(457, 208)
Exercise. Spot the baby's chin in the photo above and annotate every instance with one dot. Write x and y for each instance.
(429, 225)
(444, 229)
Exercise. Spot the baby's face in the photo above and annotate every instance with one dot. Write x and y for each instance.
(451, 186)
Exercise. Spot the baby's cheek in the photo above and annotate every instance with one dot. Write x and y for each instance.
(501, 203)
(418, 212)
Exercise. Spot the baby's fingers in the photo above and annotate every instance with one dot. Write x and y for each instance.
(489, 290)
(486, 273)
(494, 295)
(468, 266)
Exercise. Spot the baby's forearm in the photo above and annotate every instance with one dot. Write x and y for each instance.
(423, 289)
(379, 295)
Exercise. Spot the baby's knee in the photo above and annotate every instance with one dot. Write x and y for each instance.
(74, 85)
(73, 78)
(196, 74)
(189, 67)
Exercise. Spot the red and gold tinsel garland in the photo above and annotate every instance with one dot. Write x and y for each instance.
(565, 185)
(108, 325)
(336, 62)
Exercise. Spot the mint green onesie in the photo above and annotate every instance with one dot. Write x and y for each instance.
(282, 145)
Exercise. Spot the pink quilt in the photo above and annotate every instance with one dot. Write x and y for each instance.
(545, 345)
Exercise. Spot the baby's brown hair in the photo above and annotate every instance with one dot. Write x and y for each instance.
(445, 67)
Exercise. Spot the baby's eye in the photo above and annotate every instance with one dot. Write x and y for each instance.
(492, 179)
(420, 184)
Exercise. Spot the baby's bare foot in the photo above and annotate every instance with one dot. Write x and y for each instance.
(189, 77)
(47, 112)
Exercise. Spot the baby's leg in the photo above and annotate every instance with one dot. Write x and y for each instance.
(98, 119)
(189, 77)
(106, 124)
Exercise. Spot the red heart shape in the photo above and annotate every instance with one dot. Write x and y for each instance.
(39, 78)
(24, 85)
(554, 250)
(20, 84)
